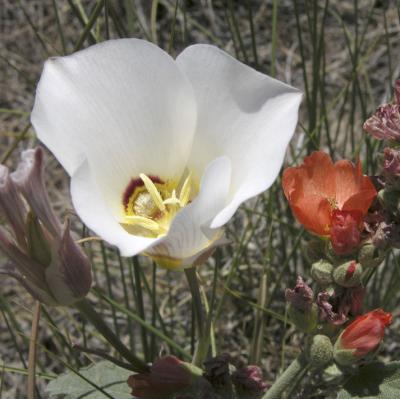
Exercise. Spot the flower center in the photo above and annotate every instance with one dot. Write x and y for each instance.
(150, 204)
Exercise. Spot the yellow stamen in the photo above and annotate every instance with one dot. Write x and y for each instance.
(153, 191)
(172, 200)
(184, 195)
(153, 205)
(144, 222)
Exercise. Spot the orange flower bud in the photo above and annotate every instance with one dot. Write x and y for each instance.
(361, 337)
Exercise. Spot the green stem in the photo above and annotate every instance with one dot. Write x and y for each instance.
(203, 341)
(87, 310)
(286, 379)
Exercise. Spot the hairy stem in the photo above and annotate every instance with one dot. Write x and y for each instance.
(286, 378)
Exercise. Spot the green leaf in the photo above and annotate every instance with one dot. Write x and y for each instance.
(89, 383)
(374, 381)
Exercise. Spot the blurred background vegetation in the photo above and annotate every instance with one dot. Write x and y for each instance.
(344, 56)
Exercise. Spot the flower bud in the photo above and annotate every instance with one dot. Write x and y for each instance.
(12, 206)
(345, 232)
(362, 337)
(320, 350)
(44, 257)
(370, 256)
(28, 177)
(69, 273)
(348, 274)
(167, 376)
(321, 272)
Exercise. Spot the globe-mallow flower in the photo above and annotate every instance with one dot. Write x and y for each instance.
(330, 199)
(162, 152)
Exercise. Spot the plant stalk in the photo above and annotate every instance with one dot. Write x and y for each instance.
(32, 352)
(203, 340)
(87, 310)
(286, 378)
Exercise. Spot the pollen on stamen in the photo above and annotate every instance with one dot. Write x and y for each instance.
(133, 185)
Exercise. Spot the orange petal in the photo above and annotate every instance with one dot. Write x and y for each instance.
(309, 188)
(354, 191)
(314, 213)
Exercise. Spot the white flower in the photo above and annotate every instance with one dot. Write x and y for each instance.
(162, 152)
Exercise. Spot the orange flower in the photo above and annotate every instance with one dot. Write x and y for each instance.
(329, 199)
(362, 336)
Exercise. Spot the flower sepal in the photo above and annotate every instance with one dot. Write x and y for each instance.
(321, 272)
(319, 350)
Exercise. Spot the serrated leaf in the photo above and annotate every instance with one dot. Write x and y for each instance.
(374, 381)
(106, 375)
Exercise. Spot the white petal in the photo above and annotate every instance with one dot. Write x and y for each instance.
(124, 105)
(92, 209)
(242, 114)
(189, 233)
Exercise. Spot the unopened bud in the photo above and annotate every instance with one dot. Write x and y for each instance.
(370, 256)
(44, 257)
(362, 337)
(69, 274)
(348, 274)
(168, 377)
(321, 272)
(320, 350)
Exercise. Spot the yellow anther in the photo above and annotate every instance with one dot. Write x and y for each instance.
(184, 195)
(153, 191)
(143, 222)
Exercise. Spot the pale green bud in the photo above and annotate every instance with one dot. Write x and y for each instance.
(320, 350)
(321, 272)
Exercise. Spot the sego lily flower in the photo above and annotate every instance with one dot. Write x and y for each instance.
(161, 152)
(330, 199)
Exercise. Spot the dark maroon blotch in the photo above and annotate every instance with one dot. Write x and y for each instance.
(133, 185)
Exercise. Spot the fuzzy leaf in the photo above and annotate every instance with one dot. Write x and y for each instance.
(374, 381)
(106, 375)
